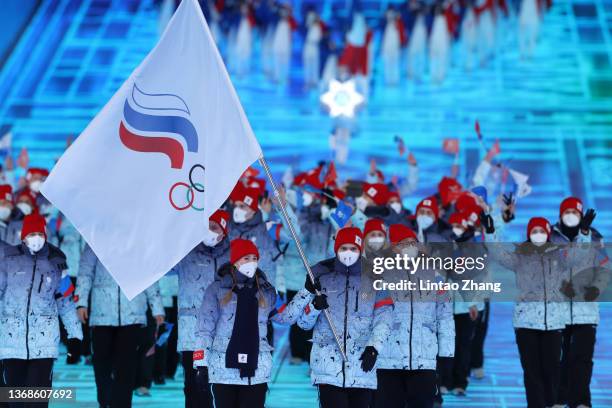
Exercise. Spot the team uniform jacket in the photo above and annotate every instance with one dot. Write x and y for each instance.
(30, 303)
(195, 273)
(362, 317)
(109, 306)
(423, 326)
(216, 323)
(581, 312)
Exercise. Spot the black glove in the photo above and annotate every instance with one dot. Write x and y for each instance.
(508, 214)
(568, 289)
(487, 222)
(587, 220)
(368, 358)
(312, 287)
(320, 302)
(73, 356)
(591, 293)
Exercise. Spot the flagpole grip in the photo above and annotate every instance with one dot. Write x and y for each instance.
(300, 249)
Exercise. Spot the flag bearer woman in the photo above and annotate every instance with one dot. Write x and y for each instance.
(233, 325)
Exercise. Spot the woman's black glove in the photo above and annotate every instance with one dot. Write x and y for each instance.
(587, 220)
(568, 289)
(312, 287)
(320, 302)
(487, 222)
(368, 358)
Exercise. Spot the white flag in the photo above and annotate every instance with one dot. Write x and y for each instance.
(164, 153)
(5, 141)
(522, 188)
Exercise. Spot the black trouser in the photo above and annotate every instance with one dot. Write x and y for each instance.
(331, 396)
(28, 373)
(405, 388)
(540, 353)
(2, 384)
(197, 394)
(299, 339)
(577, 365)
(146, 353)
(115, 358)
(454, 372)
(239, 396)
(480, 333)
(166, 356)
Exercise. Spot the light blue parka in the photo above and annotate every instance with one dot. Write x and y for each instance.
(423, 326)
(216, 323)
(195, 273)
(109, 306)
(30, 303)
(362, 317)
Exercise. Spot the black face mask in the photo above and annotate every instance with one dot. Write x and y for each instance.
(569, 232)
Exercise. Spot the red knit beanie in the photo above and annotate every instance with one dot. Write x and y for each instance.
(249, 196)
(431, 203)
(348, 235)
(378, 192)
(35, 171)
(240, 248)
(538, 222)
(465, 201)
(33, 223)
(400, 232)
(570, 203)
(374, 224)
(6, 192)
(449, 189)
(221, 217)
(458, 218)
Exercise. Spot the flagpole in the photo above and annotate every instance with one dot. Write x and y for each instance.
(298, 245)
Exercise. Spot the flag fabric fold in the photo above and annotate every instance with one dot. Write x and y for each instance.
(161, 156)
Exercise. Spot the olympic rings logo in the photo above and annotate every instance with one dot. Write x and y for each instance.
(190, 190)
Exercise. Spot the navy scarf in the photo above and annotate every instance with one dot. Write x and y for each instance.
(243, 348)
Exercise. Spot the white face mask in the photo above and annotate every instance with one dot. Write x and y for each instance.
(325, 212)
(396, 206)
(361, 203)
(239, 215)
(35, 243)
(35, 186)
(25, 208)
(570, 220)
(376, 243)
(348, 257)
(5, 213)
(211, 238)
(458, 231)
(410, 251)
(424, 221)
(538, 238)
(248, 269)
(306, 199)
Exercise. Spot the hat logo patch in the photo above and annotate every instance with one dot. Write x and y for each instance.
(372, 192)
(248, 200)
(358, 241)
